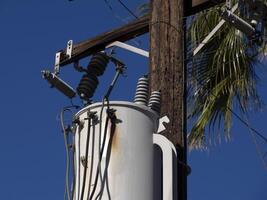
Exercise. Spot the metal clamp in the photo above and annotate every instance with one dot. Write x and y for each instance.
(69, 48)
(57, 61)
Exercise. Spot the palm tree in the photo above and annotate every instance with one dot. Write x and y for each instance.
(222, 77)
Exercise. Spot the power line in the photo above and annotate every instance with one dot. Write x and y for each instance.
(258, 149)
(124, 21)
(114, 13)
(128, 9)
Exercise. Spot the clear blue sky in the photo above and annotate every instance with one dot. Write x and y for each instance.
(31, 147)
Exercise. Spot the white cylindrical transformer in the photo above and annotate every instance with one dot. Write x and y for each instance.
(126, 148)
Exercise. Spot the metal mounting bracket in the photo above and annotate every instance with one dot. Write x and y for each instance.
(210, 35)
(69, 48)
(129, 48)
(162, 121)
(228, 4)
(57, 61)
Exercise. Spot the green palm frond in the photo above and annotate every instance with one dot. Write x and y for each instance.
(220, 77)
(143, 10)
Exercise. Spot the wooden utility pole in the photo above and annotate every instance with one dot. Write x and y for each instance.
(167, 74)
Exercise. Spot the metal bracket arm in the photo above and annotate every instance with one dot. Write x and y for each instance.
(57, 61)
(69, 48)
(212, 33)
(129, 48)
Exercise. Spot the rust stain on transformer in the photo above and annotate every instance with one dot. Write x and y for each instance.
(114, 133)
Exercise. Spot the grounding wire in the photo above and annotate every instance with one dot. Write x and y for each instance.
(86, 154)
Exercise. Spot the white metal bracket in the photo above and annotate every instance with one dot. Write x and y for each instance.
(57, 60)
(69, 48)
(129, 48)
(169, 156)
(212, 33)
(162, 121)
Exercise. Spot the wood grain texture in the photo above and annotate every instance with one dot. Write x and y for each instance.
(167, 74)
(166, 62)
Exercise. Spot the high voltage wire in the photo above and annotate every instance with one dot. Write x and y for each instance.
(137, 42)
(128, 9)
(113, 12)
(258, 149)
(123, 5)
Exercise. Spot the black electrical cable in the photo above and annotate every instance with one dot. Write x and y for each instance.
(74, 175)
(99, 144)
(92, 161)
(67, 188)
(100, 148)
(128, 9)
(119, 70)
(99, 159)
(114, 13)
(105, 178)
(258, 150)
(86, 153)
(79, 161)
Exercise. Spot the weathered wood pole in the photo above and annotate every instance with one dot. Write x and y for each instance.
(167, 74)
